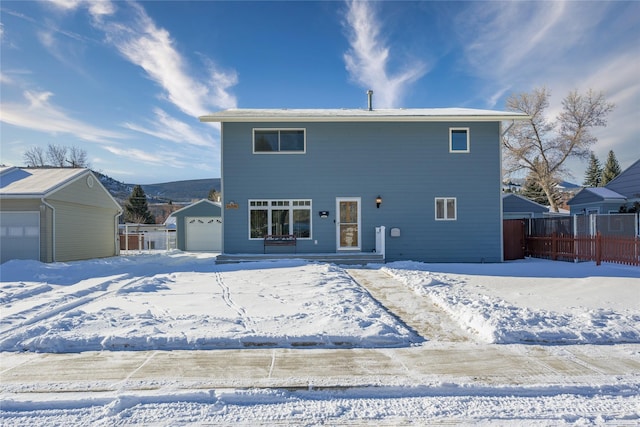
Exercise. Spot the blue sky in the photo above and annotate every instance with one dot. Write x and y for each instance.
(126, 81)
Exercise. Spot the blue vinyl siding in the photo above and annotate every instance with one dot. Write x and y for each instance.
(407, 164)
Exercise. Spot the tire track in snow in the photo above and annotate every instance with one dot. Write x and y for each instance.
(72, 297)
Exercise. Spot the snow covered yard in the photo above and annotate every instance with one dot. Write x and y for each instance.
(185, 301)
(178, 301)
(294, 310)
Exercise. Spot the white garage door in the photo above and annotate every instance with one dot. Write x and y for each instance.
(19, 235)
(203, 233)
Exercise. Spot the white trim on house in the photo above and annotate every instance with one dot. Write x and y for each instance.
(272, 204)
(444, 208)
(468, 144)
(359, 115)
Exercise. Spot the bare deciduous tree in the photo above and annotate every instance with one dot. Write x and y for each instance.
(77, 158)
(541, 147)
(56, 156)
(35, 157)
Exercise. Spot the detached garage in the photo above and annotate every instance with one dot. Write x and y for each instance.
(59, 214)
(199, 226)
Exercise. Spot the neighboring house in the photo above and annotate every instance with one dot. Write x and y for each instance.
(624, 190)
(515, 206)
(431, 177)
(199, 226)
(56, 215)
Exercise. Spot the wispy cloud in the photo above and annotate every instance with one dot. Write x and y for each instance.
(97, 8)
(368, 58)
(144, 156)
(38, 113)
(516, 46)
(521, 45)
(143, 43)
(134, 35)
(166, 127)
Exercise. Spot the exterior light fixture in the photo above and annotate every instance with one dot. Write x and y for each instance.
(378, 201)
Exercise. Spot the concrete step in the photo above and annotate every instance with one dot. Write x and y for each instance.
(354, 258)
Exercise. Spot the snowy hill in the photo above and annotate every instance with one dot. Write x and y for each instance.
(176, 191)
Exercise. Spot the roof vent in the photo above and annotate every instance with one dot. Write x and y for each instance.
(370, 98)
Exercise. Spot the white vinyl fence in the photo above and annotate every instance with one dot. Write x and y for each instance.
(136, 239)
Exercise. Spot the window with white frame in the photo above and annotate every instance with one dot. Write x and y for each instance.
(279, 217)
(268, 141)
(459, 140)
(446, 209)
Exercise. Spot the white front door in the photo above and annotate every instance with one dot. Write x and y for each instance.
(348, 223)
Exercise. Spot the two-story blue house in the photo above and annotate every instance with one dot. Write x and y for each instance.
(431, 177)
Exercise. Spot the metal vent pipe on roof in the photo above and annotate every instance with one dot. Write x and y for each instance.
(370, 98)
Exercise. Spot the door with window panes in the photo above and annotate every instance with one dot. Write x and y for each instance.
(348, 224)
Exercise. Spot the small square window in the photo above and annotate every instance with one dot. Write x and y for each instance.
(459, 140)
(446, 209)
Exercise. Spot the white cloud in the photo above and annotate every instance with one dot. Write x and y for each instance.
(368, 58)
(144, 156)
(97, 8)
(171, 129)
(517, 46)
(134, 34)
(141, 42)
(39, 114)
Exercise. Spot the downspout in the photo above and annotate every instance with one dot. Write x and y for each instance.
(53, 228)
(116, 239)
(513, 122)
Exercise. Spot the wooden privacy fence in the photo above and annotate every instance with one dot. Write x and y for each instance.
(598, 248)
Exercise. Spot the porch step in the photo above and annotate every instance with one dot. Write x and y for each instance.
(358, 258)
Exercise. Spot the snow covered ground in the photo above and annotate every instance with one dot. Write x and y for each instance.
(179, 301)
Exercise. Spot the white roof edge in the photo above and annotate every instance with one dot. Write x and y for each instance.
(218, 204)
(70, 179)
(60, 185)
(351, 115)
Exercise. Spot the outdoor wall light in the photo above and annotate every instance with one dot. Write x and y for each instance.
(378, 202)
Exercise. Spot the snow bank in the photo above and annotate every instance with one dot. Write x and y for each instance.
(533, 301)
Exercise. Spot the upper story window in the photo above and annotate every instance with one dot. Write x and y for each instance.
(458, 140)
(279, 141)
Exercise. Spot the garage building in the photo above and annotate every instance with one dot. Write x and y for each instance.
(199, 226)
(56, 214)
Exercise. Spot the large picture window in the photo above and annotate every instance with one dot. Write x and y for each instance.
(279, 141)
(279, 217)
(446, 208)
(459, 140)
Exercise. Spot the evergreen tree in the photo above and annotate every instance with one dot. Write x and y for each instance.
(534, 191)
(136, 209)
(594, 172)
(611, 169)
(213, 195)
